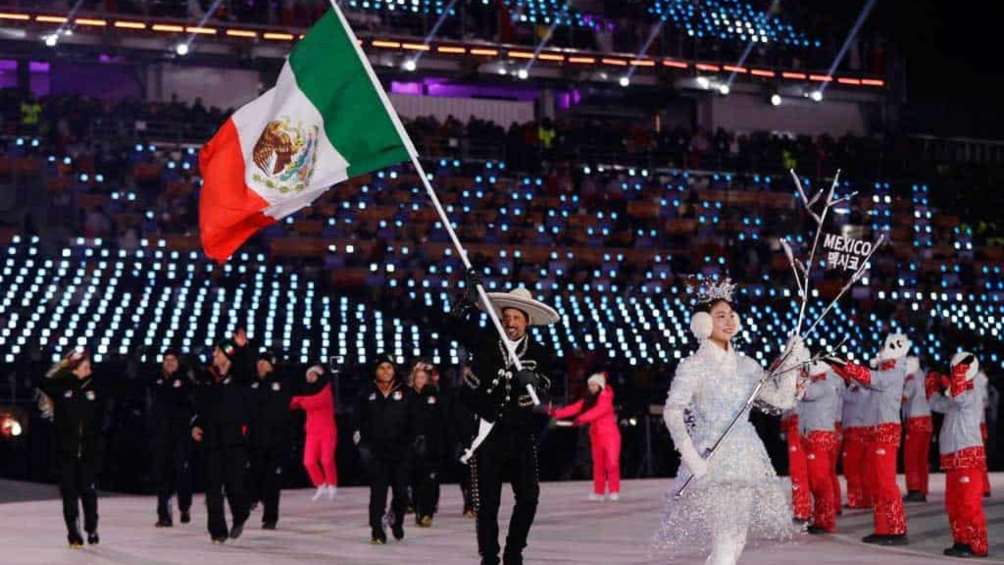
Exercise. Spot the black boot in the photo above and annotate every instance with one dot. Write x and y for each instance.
(915, 496)
(92, 538)
(237, 529)
(164, 523)
(961, 550)
(878, 539)
(74, 538)
(185, 517)
(816, 530)
(268, 525)
(512, 559)
(379, 537)
(398, 530)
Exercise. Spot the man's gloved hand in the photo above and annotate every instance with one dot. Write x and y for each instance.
(472, 279)
(356, 437)
(466, 300)
(527, 377)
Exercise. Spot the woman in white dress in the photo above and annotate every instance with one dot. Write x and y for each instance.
(736, 494)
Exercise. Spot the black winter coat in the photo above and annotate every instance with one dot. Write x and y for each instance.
(225, 404)
(79, 411)
(272, 423)
(430, 426)
(173, 404)
(387, 425)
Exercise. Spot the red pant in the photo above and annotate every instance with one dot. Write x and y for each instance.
(883, 445)
(855, 465)
(818, 447)
(801, 500)
(964, 471)
(319, 459)
(916, 451)
(834, 457)
(986, 473)
(607, 465)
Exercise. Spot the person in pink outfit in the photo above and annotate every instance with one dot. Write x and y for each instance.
(322, 433)
(597, 412)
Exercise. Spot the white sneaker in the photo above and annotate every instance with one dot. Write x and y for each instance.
(332, 491)
(319, 493)
(614, 496)
(593, 497)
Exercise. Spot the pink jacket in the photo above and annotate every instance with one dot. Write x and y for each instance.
(320, 409)
(601, 418)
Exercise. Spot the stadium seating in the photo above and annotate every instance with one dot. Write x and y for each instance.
(115, 301)
(734, 20)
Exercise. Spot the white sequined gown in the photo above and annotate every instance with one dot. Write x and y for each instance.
(741, 496)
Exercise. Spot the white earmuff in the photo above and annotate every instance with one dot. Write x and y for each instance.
(701, 325)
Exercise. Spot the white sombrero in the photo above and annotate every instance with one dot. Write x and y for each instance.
(540, 314)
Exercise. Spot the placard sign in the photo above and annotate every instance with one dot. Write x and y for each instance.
(845, 253)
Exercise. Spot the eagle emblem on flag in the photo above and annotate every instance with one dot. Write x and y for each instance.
(284, 155)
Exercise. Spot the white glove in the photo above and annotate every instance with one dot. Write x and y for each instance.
(356, 437)
(795, 353)
(695, 463)
(912, 365)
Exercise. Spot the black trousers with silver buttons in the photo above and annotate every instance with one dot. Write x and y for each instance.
(513, 456)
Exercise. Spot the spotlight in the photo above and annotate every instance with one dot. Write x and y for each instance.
(12, 422)
(775, 99)
(816, 95)
(624, 81)
(724, 89)
(703, 82)
(181, 49)
(523, 74)
(410, 65)
(51, 40)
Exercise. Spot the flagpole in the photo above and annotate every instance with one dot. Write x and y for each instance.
(410, 146)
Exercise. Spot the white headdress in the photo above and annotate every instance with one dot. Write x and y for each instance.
(711, 290)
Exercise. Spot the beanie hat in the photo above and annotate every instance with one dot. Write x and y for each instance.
(382, 358)
(228, 347)
(270, 356)
(599, 379)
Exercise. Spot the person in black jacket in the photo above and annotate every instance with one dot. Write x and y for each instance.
(270, 436)
(497, 393)
(172, 447)
(461, 426)
(384, 434)
(429, 441)
(77, 407)
(224, 405)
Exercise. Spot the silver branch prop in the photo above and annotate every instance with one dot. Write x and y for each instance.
(802, 272)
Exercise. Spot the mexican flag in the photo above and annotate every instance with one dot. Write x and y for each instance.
(327, 119)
